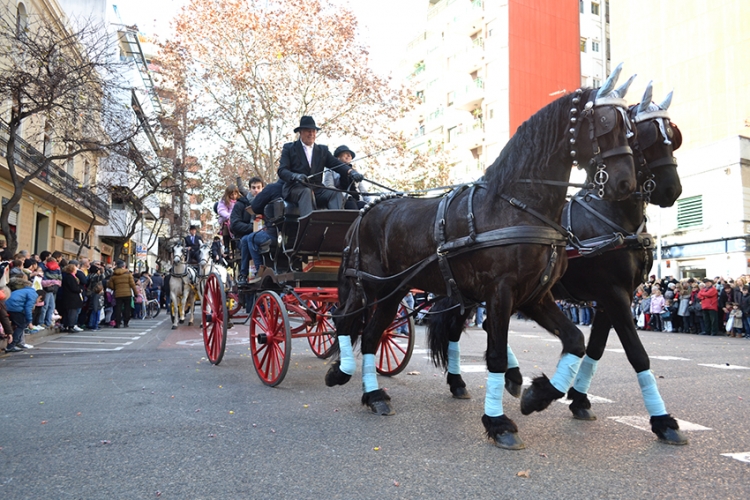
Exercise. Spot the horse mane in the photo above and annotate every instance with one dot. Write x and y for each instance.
(539, 142)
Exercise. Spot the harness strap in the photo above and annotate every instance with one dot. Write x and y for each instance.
(581, 201)
(622, 150)
(440, 239)
(523, 206)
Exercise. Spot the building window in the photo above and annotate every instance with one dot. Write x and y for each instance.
(22, 20)
(86, 173)
(596, 83)
(580, 6)
(690, 212)
(608, 57)
(60, 230)
(13, 217)
(594, 46)
(606, 11)
(595, 8)
(451, 97)
(47, 141)
(583, 44)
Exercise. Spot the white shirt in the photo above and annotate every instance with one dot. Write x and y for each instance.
(308, 152)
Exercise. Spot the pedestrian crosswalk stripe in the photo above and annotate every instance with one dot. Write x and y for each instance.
(725, 366)
(593, 399)
(44, 349)
(99, 337)
(616, 350)
(643, 423)
(742, 457)
(669, 358)
(77, 342)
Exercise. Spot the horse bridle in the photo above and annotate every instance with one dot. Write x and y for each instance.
(597, 128)
(664, 125)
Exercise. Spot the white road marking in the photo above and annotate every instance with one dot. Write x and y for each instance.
(421, 351)
(669, 358)
(642, 423)
(593, 399)
(99, 337)
(76, 342)
(473, 368)
(742, 457)
(615, 350)
(76, 349)
(725, 366)
(530, 336)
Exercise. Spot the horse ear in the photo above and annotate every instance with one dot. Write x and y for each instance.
(647, 96)
(667, 101)
(623, 89)
(609, 84)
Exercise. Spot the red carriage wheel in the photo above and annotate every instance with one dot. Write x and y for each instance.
(270, 338)
(214, 318)
(321, 337)
(394, 351)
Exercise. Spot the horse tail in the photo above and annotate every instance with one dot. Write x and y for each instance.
(445, 322)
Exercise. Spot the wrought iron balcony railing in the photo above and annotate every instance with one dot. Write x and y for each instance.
(28, 159)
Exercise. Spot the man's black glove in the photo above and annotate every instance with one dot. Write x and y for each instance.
(356, 176)
(299, 178)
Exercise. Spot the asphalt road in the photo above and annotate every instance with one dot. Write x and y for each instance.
(104, 418)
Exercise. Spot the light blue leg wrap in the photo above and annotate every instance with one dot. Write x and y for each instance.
(512, 360)
(454, 358)
(567, 368)
(650, 393)
(493, 398)
(585, 374)
(369, 375)
(348, 365)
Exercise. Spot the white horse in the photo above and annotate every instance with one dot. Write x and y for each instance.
(208, 266)
(182, 286)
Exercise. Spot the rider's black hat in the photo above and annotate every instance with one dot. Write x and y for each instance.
(193, 227)
(343, 149)
(306, 122)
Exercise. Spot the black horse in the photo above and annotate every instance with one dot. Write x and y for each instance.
(610, 278)
(617, 255)
(495, 241)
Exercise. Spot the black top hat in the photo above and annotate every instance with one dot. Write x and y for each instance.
(306, 122)
(343, 149)
(193, 227)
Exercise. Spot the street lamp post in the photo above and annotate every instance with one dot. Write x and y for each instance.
(143, 219)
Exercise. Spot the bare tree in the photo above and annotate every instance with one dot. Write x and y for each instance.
(62, 80)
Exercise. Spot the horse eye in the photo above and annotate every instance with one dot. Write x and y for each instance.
(670, 132)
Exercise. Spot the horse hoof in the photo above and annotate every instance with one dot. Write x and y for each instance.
(190, 323)
(508, 441)
(539, 395)
(672, 436)
(174, 327)
(460, 393)
(182, 321)
(583, 414)
(382, 407)
(335, 376)
(513, 388)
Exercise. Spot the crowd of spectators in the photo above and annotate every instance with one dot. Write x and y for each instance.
(46, 291)
(718, 306)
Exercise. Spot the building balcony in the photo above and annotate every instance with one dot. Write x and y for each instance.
(55, 179)
(470, 97)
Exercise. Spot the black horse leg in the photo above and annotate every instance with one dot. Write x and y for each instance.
(543, 390)
(580, 405)
(501, 429)
(444, 328)
(663, 424)
(373, 396)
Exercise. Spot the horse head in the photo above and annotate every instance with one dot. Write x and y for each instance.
(604, 150)
(205, 254)
(657, 139)
(178, 254)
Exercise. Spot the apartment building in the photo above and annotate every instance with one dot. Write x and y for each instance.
(60, 205)
(699, 50)
(480, 68)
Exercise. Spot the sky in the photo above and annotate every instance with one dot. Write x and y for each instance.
(384, 31)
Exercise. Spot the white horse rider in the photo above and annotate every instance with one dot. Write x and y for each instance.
(182, 286)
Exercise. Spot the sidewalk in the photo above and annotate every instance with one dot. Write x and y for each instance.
(35, 338)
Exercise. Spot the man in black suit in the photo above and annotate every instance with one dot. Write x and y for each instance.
(301, 168)
(193, 242)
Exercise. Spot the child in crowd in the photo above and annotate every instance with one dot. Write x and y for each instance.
(666, 316)
(734, 323)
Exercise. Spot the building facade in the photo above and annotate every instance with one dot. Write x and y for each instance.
(59, 208)
(698, 49)
(481, 68)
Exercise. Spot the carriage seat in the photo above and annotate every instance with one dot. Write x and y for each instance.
(279, 210)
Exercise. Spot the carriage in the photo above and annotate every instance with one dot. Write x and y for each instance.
(294, 296)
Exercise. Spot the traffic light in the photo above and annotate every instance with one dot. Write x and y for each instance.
(126, 248)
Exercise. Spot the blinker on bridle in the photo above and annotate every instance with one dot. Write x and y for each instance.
(598, 129)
